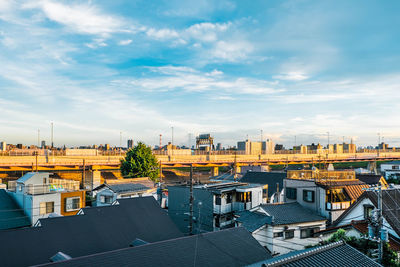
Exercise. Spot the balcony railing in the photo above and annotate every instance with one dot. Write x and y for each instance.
(337, 205)
(321, 175)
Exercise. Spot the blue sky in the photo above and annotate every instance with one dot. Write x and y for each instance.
(231, 68)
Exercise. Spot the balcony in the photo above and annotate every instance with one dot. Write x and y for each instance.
(337, 205)
(221, 209)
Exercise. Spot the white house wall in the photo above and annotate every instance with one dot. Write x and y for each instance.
(357, 213)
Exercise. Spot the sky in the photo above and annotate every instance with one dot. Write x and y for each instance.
(301, 68)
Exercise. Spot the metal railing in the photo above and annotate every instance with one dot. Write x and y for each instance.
(321, 175)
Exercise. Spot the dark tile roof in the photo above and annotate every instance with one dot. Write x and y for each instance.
(11, 215)
(289, 213)
(270, 178)
(370, 179)
(129, 187)
(232, 247)
(390, 205)
(355, 191)
(253, 220)
(335, 254)
(100, 229)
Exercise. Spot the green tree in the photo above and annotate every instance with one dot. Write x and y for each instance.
(140, 162)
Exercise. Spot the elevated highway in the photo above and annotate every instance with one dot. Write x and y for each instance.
(103, 163)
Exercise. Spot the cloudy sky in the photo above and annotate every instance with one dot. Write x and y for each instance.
(229, 68)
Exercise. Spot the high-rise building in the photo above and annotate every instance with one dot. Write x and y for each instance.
(130, 143)
(43, 144)
(3, 146)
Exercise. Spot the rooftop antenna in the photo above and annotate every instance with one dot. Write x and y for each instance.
(160, 140)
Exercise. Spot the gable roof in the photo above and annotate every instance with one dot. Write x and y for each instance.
(99, 229)
(26, 177)
(370, 179)
(335, 254)
(269, 178)
(232, 247)
(11, 215)
(253, 220)
(390, 206)
(290, 213)
(126, 188)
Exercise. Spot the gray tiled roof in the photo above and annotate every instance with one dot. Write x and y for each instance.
(232, 247)
(11, 216)
(270, 178)
(335, 254)
(253, 220)
(289, 213)
(128, 187)
(100, 229)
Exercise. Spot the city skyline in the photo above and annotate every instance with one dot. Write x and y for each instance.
(228, 68)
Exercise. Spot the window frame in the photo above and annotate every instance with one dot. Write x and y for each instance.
(305, 196)
(292, 194)
(72, 208)
(289, 234)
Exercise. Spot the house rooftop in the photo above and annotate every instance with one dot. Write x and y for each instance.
(11, 215)
(335, 254)
(265, 178)
(226, 186)
(96, 230)
(252, 220)
(231, 247)
(124, 188)
(390, 204)
(290, 213)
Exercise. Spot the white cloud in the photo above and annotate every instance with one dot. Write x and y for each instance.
(169, 78)
(125, 42)
(291, 76)
(232, 51)
(206, 31)
(162, 34)
(81, 18)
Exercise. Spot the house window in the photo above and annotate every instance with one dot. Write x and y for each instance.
(228, 198)
(291, 193)
(265, 192)
(106, 199)
(278, 234)
(72, 203)
(309, 232)
(308, 195)
(289, 234)
(46, 207)
(395, 167)
(217, 200)
(368, 211)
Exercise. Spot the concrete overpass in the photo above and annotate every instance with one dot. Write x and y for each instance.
(103, 163)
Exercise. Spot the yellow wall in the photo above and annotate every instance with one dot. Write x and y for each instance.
(65, 195)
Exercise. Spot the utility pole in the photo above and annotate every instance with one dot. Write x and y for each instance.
(295, 140)
(379, 142)
(160, 140)
(172, 136)
(83, 173)
(52, 143)
(380, 219)
(120, 140)
(235, 169)
(191, 201)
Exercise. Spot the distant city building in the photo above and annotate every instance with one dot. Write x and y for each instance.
(3, 146)
(43, 145)
(129, 144)
(205, 141)
(254, 148)
(219, 146)
(279, 147)
(107, 147)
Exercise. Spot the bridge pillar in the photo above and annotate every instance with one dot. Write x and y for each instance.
(214, 171)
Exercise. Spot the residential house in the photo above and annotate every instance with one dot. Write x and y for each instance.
(358, 229)
(329, 193)
(11, 215)
(39, 195)
(213, 204)
(368, 202)
(391, 169)
(373, 180)
(94, 230)
(334, 254)
(231, 247)
(272, 184)
(109, 192)
(282, 228)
